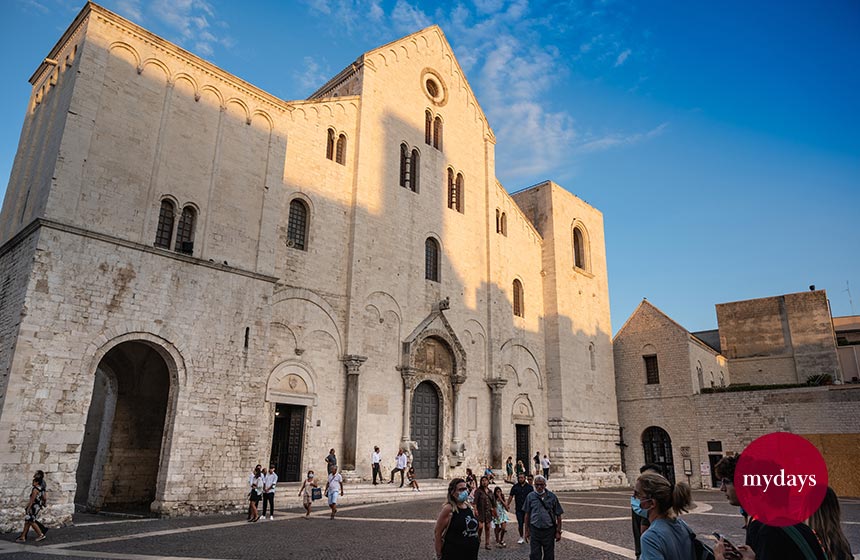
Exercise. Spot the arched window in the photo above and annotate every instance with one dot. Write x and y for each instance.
(713, 383)
(414, 170)
(652, 370)
(591, 356)
(700, 375)
(165, 225)
(431, 259)
(329, 145)
(498, 221)
(452, 192)
(459, 188)
(428, 128)
(437, 132)
(340, 154)
(518, 299)
(185, 231)
(504, 223)
(722, 379)
(297, 227)
(404, 165)
(579, 249)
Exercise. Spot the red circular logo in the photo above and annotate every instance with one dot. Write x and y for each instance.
(781, 479)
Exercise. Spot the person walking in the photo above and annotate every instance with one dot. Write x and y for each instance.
(486, 509)
(375, 461)
(826, 522)
(269, 482)
(639, 518)
(400, 467)
(257, 483)
(544, 464)
(543, 521)
(519, 468)
(519, 493)
(331, 461)
(306, 492)
(667, 538)
(251, 478)
(536, 461)
(500, 519)
(456, 533)
(509, 470)
(333, 490)
(37, 501)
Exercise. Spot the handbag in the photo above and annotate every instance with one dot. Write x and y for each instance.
(316, 494)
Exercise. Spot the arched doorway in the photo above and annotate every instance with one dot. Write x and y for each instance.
(425, 430)
(658, 450)
(121, 451)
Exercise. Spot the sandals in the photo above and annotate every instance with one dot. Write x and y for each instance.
(20, 539)
(43, 537)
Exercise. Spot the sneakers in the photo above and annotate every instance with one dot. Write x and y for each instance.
(43, 537)
(521, 540)
(271, 517)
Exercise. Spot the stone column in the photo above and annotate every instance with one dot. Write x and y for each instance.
(408, 375)
(496, 386)
(456, 447)
(350, 415)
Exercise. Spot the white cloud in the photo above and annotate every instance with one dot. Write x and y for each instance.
(617, 139)
(191, 20)
(622, 57)
(313, 76)
(408, 18)
(130, 9)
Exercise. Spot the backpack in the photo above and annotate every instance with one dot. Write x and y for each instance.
(701, 551)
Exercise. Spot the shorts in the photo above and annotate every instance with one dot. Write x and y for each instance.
(332, 497)
(254, 497)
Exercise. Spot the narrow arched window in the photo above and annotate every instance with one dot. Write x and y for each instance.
(414, 170)
(452, 190)
(518, 298)
(592, 357)
(578, 249)
(431, 259)
(498, 221)
(437, 132)
(329, 145)
(404, 165)
(504, 224)
(459, 188)
(185, 231)
(165, 225)
(340, 153)
(297, 226)
(428, 128)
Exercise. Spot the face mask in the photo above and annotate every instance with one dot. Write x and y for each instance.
(310, 476)
(635, 504)
(463, 496)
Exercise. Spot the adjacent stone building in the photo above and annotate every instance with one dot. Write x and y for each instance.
(198, 276)
(685, 400)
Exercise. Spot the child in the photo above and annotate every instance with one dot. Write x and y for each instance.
(413, 482)
(501, 518)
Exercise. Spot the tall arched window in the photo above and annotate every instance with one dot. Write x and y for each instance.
(700, 375)
(297, 226)
(404, 165)
(414, 170)
(340, 154)
(437, 132)
(579, 249)
(329, 145)
(518, 299)
(452, 191)
(185, 231)
(458, 186)
(165, 225)
(592, 358)
(428, 127)
(504, 224)
(498, 221)
(431, 259)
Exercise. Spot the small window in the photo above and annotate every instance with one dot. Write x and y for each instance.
(428, 128)
(652, 373)
(498, 221)
(518, 298)
(414, 170)
(297, 227)
(592, 358)
(578, 249)
(452, 192)
(432, 88)
(458, 184)
(431, 259)
(503, 224)
(404, 165)
(165, 225)
(185, 231)
(340, 152)
(329, 145)
(437, 133)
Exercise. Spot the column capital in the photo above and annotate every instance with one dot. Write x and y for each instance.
(497, 384)
(353, 363)
(408, 374)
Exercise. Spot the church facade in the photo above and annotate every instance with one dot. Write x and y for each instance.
(199, 276)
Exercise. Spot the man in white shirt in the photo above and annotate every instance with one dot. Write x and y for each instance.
(334, 489)
(269, 492)
(402, 460)
(375, 459)
(544, 464)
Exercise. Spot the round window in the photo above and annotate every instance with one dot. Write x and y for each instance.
(432, 88)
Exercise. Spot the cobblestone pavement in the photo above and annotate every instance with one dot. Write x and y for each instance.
(596, 523)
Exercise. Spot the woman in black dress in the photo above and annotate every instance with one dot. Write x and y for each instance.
(457, 526)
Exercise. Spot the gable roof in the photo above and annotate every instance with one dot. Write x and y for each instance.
(646, 305)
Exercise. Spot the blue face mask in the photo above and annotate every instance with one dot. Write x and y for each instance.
(636, 505)
(463, 496)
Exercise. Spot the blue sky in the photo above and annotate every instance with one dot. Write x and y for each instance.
(719, 139)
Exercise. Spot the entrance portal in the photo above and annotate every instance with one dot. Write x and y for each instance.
(523, 446)
(121, 451)
(658, 450)
(287, 442)
(425, 430)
